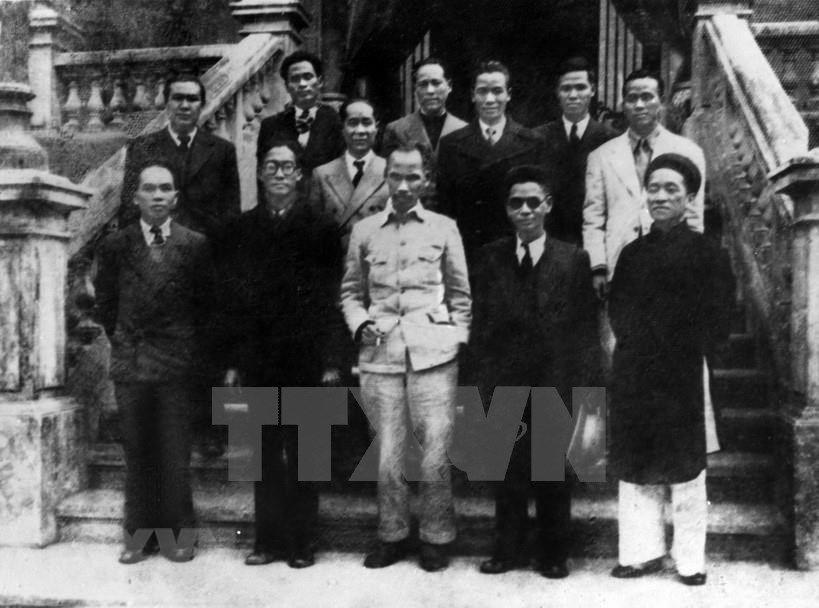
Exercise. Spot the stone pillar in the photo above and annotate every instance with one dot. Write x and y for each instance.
(799, 179)
(286, 17)
(40, 432)
(50, 32)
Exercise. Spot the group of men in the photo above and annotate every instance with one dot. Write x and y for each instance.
(484, 243)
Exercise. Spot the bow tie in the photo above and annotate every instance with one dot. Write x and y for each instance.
(303, 122)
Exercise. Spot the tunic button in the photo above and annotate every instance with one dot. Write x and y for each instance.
(403, 243)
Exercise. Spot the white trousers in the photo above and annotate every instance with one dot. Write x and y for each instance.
(641, 524)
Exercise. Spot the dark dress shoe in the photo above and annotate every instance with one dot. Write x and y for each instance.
(386, 554)
(498, 564)
(692, 580)
(133, 556)
(261, 557)
(433, 557)
(554, 570)
(649, 567)
(184, 554)
(302, 558)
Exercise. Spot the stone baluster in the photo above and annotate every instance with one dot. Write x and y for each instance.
(813, 81)
(118, 104)
(142, 100)
(95, 105)
(789, 76)
(72, 107)
(159, 91)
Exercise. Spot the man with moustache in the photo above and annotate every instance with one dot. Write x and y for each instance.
(473, 160)
(568, 142)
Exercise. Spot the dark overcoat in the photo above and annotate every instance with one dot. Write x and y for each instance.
(670, 304)
(471, 176)
(566, 164)
(208, 179)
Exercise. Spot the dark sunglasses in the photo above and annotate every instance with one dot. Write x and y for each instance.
(533, 202)
(180, 97)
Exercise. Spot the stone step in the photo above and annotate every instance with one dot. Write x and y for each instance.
(741, 388)
(746, 430)
(348, 523)
(731, 476)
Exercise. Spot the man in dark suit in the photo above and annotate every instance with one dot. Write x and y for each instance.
(568, 142)
(473, 160)
(206, 164)
(535, 324)
(151, 290)
(316, 127)
(431, 121)
(208, 197)
(284, 263)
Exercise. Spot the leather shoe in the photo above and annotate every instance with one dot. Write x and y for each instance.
(184, 554)
(303, 558)
(498, 564)
(133, 556)
(692, 580)
(554, 570)
(386, 554)
(433, 557)
(649, 567)
(260, 558)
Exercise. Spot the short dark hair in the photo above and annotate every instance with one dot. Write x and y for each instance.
(576, 64)
(644, 73)
(298, 57)
(428, 61)
(486, 67)
(158, 162)
(522, 174)
(342, 111)
(184, 78)
(681, 164)
(292, 145)
(412, 146)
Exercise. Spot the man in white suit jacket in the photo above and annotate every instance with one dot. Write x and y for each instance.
(430, 122)
(352, 186)
(615, 211)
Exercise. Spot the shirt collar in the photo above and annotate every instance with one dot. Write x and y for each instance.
(635, 139)
(175, 135)
(581, 126)
(165, 227)
(535, 248)
(350, 159)
(418, 212)
(499, 128)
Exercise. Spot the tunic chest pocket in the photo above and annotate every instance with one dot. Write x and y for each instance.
(378, 264)
(429, 264)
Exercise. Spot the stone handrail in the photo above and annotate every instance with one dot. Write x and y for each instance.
(748, 127)
(114, 89)
(242, 86)
(792, 49)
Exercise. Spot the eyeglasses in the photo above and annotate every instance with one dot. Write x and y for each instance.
(287, 167)
(533, 202)
(180, 97)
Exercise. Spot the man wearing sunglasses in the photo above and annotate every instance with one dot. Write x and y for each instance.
(535, 324)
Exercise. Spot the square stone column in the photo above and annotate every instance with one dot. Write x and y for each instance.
(42, 455)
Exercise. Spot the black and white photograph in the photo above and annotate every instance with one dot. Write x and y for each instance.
(412, 303)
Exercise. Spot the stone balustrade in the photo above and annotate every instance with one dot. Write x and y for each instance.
(123, 90)
(792, 49)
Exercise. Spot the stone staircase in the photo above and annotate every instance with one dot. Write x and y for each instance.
(744, 520)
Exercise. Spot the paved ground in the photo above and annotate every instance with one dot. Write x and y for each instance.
(88, 574)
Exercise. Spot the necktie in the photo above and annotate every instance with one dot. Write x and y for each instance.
(359, 172)
(184, 140)
(526, 261)
(303, 122)
(158, 238)
(642, 156)
(573, 138)
(490, 135)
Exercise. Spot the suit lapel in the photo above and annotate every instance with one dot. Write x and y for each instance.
(199, 153)
(371, 181)
(416, 130)
(621, 158)
(450, 125)
(338, 182)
